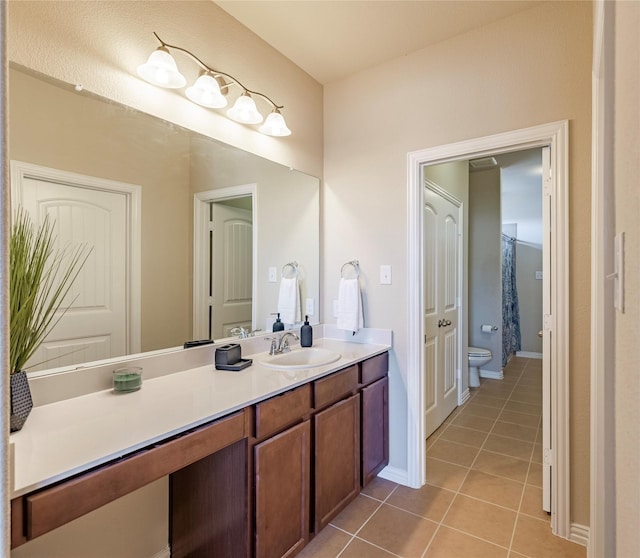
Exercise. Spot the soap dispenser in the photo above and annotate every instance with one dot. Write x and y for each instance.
(278, 325)
(306, 333)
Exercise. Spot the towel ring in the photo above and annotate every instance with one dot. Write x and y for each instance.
(293, 270)
(353, 263)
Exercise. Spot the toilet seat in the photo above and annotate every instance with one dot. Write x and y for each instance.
(478, 352)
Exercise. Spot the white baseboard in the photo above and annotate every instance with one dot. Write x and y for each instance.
(527, 354)
(164, 553)
(464, 396)
(579, 534)
(395, 475)
(491, 374)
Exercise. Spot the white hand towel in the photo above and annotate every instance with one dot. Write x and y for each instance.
(350, 315)
(289, 300)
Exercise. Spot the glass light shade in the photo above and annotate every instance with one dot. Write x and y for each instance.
(275, 125)
(244, 110)
(161, 70)
(206, 92)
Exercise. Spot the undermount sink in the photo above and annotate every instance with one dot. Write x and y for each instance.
(304, 357)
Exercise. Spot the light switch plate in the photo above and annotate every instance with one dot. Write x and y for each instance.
(273, 274)
(385, 275)
(539, 275)
(308, 309)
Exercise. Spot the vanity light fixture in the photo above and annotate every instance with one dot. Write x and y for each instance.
(210, 88)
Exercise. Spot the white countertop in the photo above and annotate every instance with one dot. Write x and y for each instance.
(67, 437)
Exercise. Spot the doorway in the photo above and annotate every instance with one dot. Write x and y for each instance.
(213, 271)
(554, 135)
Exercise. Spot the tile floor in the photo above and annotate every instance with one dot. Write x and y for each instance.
(483, 493)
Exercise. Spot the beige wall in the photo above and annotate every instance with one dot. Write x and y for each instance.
(485, 264)
(627, 199)
(529, 69)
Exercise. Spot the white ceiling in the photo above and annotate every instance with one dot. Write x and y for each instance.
(331, 39)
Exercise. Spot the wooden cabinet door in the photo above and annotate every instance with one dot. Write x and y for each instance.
(282, 483)
(337, 459)
(375, 429)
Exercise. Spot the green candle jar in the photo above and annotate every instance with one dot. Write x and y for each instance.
(127, 379)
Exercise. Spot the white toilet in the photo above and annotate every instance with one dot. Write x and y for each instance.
(477, 357)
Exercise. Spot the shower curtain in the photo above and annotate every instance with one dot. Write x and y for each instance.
(511, 340)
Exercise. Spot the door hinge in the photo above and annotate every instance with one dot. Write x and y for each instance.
(547, 458)
(547, 186)
(547, 322)
(210, 226)
(210, 301)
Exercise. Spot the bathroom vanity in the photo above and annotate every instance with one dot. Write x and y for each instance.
(259, 461)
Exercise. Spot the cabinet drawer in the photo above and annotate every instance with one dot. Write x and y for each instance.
(281, 411)
(333, 388)
(53, 507)
(374, 368)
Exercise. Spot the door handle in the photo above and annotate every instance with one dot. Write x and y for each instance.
(444, 323)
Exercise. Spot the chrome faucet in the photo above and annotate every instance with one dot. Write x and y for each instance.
(243, 333)
(281, 344)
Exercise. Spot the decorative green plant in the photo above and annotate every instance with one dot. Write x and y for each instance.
(40, 277)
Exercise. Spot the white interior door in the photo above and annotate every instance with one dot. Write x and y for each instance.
(231, 270)
(97, 324)
(546, 330)
(441, 259)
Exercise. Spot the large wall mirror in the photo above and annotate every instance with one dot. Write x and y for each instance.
(162, 180)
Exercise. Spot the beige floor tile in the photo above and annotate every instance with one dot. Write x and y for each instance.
(509, 446)
(430, 502)
(535, 475)
(379, 488)
(536, 456)
(449, 543)
(398, 531)
(529, 398)
(534, 539)
(481, 519)
(513, 554)
(523, 408)
(496, 490)
(452, 452)
(517, 431)
(355, 514)
(327, 544)
(465, 436)
(496, 386)
(532, 503)
(493, 400)
(481, 411)
(359, 549)
(532, 421)
(501, 465)
(471, 421)
(447, 475)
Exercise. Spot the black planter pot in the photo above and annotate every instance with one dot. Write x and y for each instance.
(21, 403)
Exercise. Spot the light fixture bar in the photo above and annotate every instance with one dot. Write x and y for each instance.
(217, 73)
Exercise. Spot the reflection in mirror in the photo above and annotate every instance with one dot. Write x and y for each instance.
(159, 177)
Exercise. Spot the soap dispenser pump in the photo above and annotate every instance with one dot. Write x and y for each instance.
(278, 325)
(306, 333)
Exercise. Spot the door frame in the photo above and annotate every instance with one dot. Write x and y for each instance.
(555, 135)
(133, 199)
(201, 202)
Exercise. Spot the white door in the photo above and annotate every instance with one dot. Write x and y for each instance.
(96, 325)
(441, 259)
(231, 269)
(546, 331)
